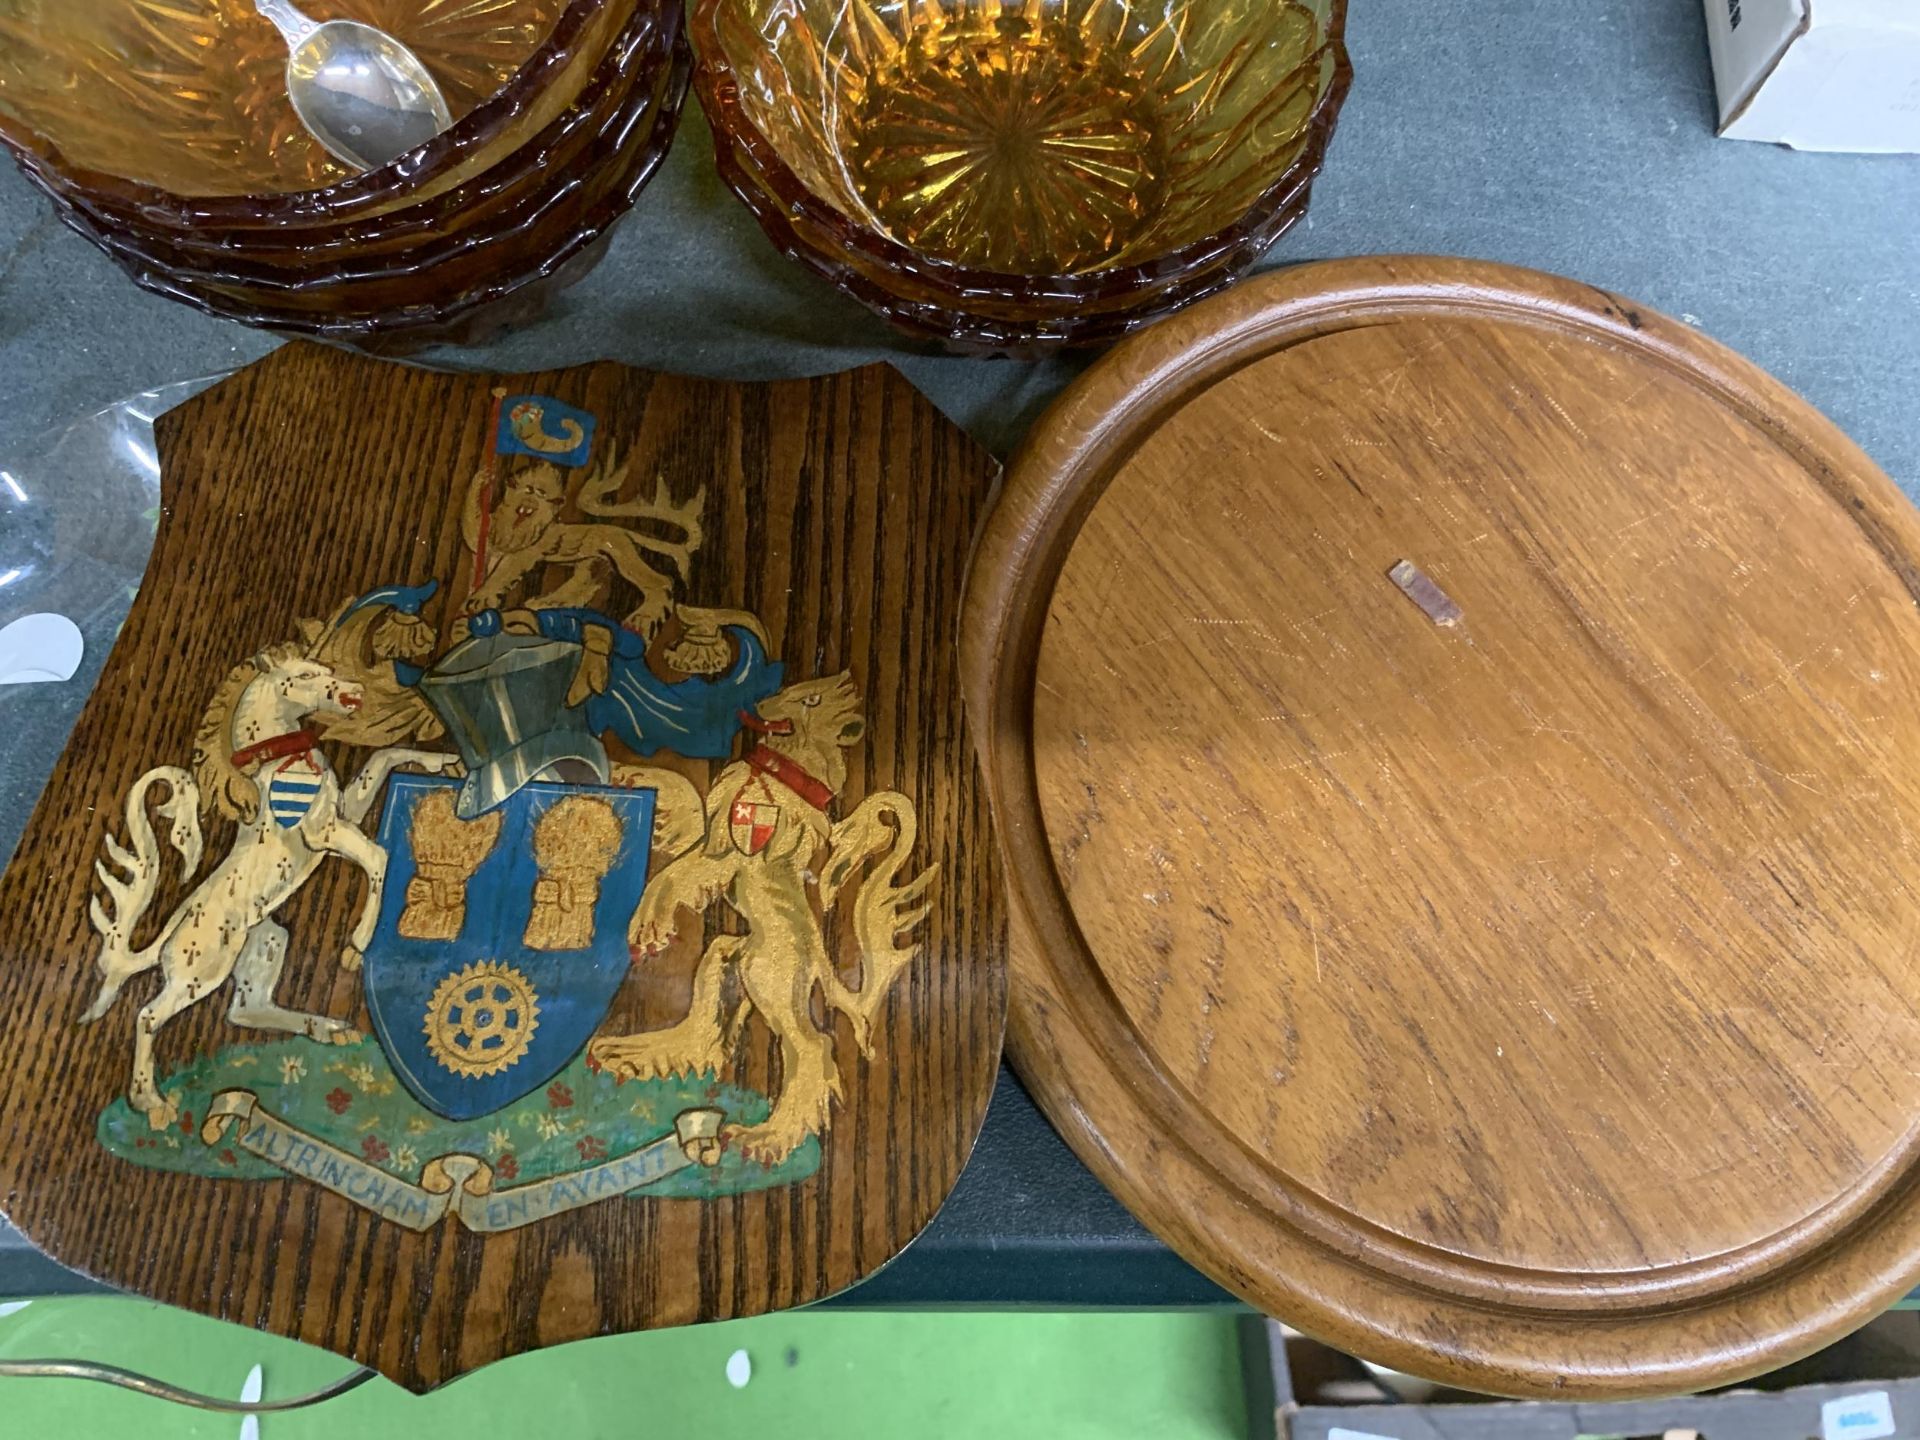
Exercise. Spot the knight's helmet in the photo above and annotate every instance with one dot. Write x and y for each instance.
(503, 699)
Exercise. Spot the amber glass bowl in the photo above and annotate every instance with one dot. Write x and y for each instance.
(502, 201)
(177, 108)
(563, 110)
(1015, 176)
(499, 197)
(456, 288)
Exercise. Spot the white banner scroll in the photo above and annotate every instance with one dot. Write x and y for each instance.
(459, 1185)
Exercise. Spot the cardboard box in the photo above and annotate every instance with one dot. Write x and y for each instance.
(1866, 1387)
(1818, 74)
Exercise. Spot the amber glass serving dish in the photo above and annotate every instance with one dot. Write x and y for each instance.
(502, 201)
(1016, 176)
(377, 304)
(161, 130)
(181, 109)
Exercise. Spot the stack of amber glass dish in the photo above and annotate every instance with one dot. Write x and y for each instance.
(161, 130)
(1014, 175)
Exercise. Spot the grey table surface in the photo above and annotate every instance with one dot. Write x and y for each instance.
(1573, 139)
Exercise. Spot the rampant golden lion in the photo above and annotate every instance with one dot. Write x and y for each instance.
(766, 823)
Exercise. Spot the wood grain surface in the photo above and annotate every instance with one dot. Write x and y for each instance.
(1522, 998)
(838, 510)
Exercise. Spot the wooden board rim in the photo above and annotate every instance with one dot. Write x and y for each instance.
(1513, 1332)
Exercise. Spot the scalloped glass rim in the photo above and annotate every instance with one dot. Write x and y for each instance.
(995, 325)
(1036, 335)
(823, 251)
(507, 184)
(426, 322)
(971, 286)
(719, 97)
(484, 123)
(631, 77)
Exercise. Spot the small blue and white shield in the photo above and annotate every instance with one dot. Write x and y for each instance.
(502, 939)
(291, 790)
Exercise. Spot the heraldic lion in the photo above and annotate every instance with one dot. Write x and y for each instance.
(772, 851)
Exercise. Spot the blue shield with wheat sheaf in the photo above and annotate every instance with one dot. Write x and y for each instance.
(499, 948)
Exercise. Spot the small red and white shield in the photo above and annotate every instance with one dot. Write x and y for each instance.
(751, 823)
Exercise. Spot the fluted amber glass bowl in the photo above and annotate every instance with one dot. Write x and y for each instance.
(463, 287)
(998, 169)
(1031, 316)
(546, 174)
(393, 265)
(173, 113)
(466, 278)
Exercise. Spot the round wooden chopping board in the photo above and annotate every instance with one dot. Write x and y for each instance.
(1453, 734)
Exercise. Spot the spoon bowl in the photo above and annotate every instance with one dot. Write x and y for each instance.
(363, 95)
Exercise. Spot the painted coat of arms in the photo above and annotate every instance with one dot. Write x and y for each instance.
(525, 815)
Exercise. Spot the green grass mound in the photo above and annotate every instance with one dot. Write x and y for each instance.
(348, 1096)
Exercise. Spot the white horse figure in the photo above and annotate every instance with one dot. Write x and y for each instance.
(256, 764)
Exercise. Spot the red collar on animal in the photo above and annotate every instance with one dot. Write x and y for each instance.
(814, 791)
(294, 742)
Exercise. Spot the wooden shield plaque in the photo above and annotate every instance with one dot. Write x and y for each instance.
(521, 875)
(1454, 737)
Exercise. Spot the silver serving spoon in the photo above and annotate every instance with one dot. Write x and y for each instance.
(360, 92)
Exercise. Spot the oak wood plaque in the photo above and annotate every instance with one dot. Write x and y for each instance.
(522, 873)
(1453, 735)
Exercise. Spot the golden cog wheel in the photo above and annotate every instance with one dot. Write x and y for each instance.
(481, 1020)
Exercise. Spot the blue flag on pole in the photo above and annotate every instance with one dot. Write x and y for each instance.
(544, 428)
